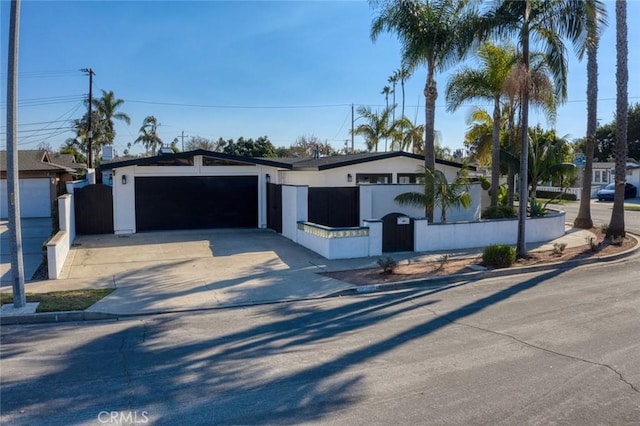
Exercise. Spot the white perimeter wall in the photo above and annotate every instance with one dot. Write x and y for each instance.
(58, 247)
(294, 209)
(455, 236)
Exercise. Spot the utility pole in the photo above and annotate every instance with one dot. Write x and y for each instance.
(89, 130)
(13, 178)
(183, 141)
(352, 130)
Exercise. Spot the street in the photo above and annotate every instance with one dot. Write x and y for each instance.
(555, 347)
(601, 213)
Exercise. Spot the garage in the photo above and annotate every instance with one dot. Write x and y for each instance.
(196, 202)
(35, 198)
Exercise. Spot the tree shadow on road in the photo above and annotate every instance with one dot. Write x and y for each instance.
(302, 364)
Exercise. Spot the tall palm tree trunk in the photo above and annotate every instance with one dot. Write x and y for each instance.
(430, 94)
(583, 220)
(616, 225)
(521, 247)
(495, 153)
(402, 83)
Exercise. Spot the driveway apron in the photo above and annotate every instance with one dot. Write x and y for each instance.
(187, 270)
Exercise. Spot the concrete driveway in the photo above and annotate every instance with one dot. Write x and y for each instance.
(185, 270)
(34, 234)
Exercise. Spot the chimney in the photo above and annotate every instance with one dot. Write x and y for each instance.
(107, 153)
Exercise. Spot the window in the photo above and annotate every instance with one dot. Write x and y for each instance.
(410, 177)
(596, 177)
(171, 162)
(210, 161)
(373, 178)
(605, 176)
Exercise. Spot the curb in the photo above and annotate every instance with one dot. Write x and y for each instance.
(425, 283)
(53, 317)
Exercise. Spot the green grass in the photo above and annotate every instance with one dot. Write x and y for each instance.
(56, 301)
(632, 208)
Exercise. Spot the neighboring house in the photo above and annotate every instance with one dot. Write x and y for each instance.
(601, 173)
(633, 173)
(204, 189)
(604, 173)
(41, 180)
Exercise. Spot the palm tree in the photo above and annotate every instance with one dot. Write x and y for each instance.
(439, 193)
(485, 83)
(106, 107)
(376, 128)
(403, 74)
(546, 159)
(479, 137)
(549, 22)
(407, 136)
(393, 80)
(616, 229)
(595, 20)
(149, 134)
(435, 34)
(385, 91)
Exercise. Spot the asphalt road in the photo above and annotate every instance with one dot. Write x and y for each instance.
(601, 213)
(558, 347)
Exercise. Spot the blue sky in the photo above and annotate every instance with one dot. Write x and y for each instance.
(231, 69)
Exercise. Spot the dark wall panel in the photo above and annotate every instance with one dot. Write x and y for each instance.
(336, 207)
(93, 206)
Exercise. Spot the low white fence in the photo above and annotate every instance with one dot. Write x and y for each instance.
(464, 235)
(366, 241)
(342, 243)
(59, 245)
(574, 191)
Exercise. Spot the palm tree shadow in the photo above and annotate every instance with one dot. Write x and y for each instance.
(297, 368)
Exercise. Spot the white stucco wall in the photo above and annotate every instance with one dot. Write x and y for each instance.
(124, 201)
(376, 201)
(452, 236)
(338, 176)
(331, 246)
(294, 209)
(58, 247)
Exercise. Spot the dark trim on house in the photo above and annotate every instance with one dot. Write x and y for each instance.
(188, 154)
(326, 163)
(302, 164)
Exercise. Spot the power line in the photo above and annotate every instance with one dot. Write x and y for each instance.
(237, 106)
(46, 100)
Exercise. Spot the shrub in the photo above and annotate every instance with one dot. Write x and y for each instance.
(499, 256)
(558, 248)
(388, 265)
(551, 195)
(442, 261)
(499, 212)
(536, 209)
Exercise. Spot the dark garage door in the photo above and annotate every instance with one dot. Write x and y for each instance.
(185, 202)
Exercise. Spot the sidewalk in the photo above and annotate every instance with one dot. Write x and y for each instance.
(136, 297)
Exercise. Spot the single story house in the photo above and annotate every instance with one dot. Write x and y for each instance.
(204, 189)
(42, 178)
